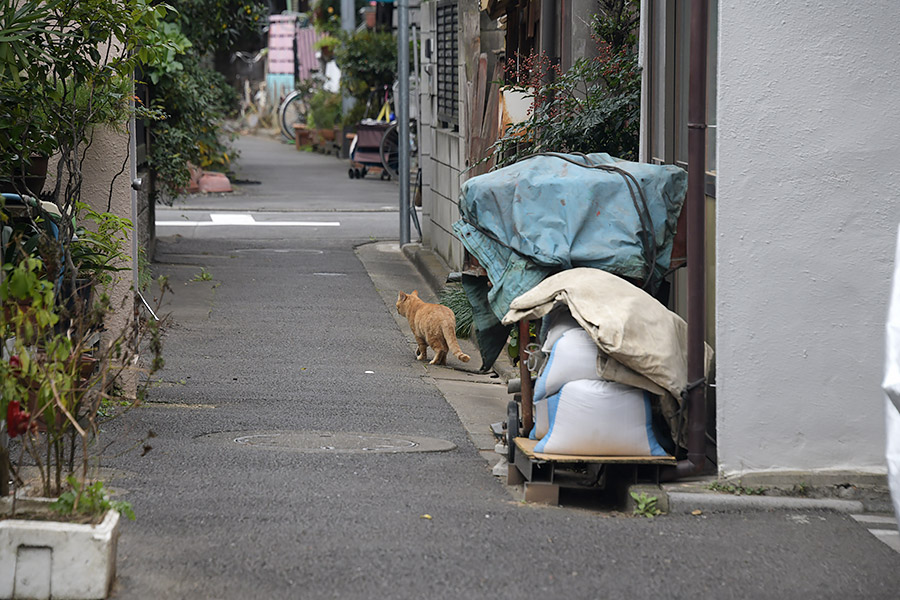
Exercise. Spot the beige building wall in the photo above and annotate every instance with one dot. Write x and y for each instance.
(107, 188)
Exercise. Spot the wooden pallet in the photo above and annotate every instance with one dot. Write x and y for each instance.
(526, 446)
(543, 474)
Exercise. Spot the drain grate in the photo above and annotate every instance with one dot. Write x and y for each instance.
(334, 442)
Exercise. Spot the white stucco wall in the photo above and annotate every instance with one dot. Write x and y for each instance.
(808, 202)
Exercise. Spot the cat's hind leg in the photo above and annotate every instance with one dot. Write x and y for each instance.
(422, 349)
(437, 343)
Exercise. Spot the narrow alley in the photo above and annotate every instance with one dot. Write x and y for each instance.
(289, 400)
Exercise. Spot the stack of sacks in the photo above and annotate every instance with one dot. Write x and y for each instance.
(577, 412)
(640, 343)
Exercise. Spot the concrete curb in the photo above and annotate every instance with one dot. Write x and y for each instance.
(429, 265)
(686, 502)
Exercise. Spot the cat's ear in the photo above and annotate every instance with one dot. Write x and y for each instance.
(401, 297)
(415, 293)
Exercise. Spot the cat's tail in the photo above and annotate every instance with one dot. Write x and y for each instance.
(450, 336)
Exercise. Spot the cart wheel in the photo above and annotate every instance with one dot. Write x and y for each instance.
(385, 176)
(512, 430)
(365, 171)
(351, 173)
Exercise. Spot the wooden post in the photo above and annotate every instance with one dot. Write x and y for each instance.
(525, 374)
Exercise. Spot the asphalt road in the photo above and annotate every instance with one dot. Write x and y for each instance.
(290, 335)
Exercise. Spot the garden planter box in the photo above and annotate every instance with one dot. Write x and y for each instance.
(52, 559)
(302, 136)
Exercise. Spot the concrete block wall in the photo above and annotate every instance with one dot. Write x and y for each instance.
(442, 155)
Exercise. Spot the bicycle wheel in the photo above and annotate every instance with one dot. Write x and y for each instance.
(389, 150)
(292, 111)
(414, 201)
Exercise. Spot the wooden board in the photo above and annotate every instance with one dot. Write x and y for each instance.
(526, 446)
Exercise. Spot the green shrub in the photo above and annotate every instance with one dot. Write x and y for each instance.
(454, 297)
(194, 97)
(324, 110)
(195, 100)
(368, 61)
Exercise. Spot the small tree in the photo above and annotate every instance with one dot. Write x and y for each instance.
(594, 106)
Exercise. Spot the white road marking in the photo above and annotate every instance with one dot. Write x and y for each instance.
(891, 538)
(884, 520)
(883, 527)
(244, 220)
(232, 219)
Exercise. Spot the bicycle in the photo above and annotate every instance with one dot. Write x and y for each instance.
(415, 199)
(292, 111)
(389, 149)
(250, 102)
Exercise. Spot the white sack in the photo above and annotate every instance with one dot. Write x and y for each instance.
(599, 418)
(541, 420)
(559, 321)
(573, 356)
(555, 325)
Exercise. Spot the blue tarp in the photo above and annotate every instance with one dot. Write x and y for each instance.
(551, 212)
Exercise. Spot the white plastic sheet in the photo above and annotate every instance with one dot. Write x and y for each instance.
(893, 453)
(891, 385)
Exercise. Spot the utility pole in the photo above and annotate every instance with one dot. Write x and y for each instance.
(403, 115)
(348, 24)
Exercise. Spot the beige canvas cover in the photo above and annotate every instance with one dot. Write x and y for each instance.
(644, 342)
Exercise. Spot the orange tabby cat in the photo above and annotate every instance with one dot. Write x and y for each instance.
(433, 325)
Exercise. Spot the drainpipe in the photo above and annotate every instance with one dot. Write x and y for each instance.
(696, 246)
(548, 30)
(348, 24)
(402, 106)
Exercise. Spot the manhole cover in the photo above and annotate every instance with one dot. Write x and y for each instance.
(342, 442)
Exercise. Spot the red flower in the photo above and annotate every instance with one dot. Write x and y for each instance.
(15, 362)
(16, 419)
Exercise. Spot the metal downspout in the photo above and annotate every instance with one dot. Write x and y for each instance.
(548, 30)
(696, 245)
(402, 106)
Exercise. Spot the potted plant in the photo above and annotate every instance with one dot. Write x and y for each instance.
(326, 45)
(57, 387)
(324, 113)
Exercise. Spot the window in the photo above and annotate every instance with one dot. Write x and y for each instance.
(447, 63)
